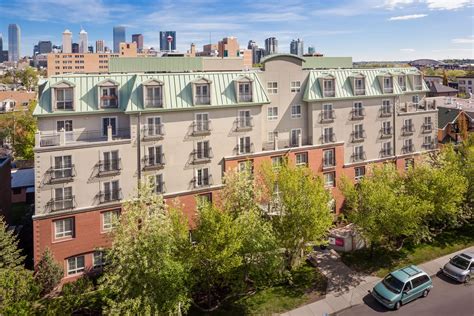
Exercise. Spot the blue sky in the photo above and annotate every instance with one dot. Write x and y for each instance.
(364, 29)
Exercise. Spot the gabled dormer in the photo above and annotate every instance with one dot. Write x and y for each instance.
(358, 83)
(386, 82)
(108, 91)
(416, 81)
(244, 89)
(201, 91)
(62, 96)
(402, 81)
(153, 93)
(327, 82)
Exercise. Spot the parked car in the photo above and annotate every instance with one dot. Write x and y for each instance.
(460, 267)
(402, 286)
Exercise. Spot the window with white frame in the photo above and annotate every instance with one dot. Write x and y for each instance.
(64, 98)
(272, 135)
(158, 184)
(418, 82)
(359, 84)
(245, 92)
(295, 135)
(296, 111)
(386, 128)
(272, 87)
(415, 99)
(357, 110)
(98, 260)
(246, 165)
(75, 265)
(154, 96)
(329, 158)
(202, 94)
(329, 88)
(328, 135)
(154, 126)
(272, 114)
(386, 108)
(62, 167)
(277, 161)
(408, 145)
(359, 133)
(359, 153)
(64, 228)
(295, 86)
(202, 177)
(106, 121)
(245, 119)
(63, 199)
(108, 97)
(408, 126)
(387, 85)
(428, 142)
(402, 82)
(329, 179)
(387, 149)
(202, 122)
(203, 150)
(110, 219)
(359, 173)
(409, 163)
(155, 156)
(327, 112)
(65, 125)
(301, 159)
(111, 161)
(111, 191)
(245, 146)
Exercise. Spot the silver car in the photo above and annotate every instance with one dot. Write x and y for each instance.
(461, 267)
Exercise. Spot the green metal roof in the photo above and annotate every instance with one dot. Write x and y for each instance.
(343, 85)
(177, 91)
(276, 56)
(314, 62)
(147, 64)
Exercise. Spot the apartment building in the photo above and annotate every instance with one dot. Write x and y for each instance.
(63, 63)
(100, 135)
(465, 84)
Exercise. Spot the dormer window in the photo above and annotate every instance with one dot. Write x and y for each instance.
(202, 91)
(387, 84)
(64, 98)
(359, 86)
(153, 94)
(245, 92)
(402, 82)
(108, 94)
(417, 82)
(329, 88)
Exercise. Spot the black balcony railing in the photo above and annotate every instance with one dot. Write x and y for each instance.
(109, 166)
(360, 156)
(427, 127)
(327, 116)
(65, 203)
(199, 182)
(110, 195)
(329, 162)
(429, 145)
(201, 156)
(386, 152)
(244, 124)
(357, 114)
(62, 174)
(358, 136)
(408, 129)
(328, 138)
(201, 127)
(386, 132)
(154, 161)
(243, 150)
(153, 131)
(408, 149)
(385, 111)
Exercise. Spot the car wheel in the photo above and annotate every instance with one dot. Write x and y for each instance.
(425, 293)
(397, 305)
(467, 279)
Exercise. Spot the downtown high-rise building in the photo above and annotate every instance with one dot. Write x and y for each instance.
(251, 44)
(119, 37)
(3, 53)
(167, 41)
(138, 38)
(83, 41)
(271, 46)
(311, 50)
(100, 46)
(45, 47)
(67, 41)
(297, 47)
(13, 42)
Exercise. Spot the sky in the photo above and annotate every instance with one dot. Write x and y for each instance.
(364, 29)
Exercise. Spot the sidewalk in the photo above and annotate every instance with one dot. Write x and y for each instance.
(347, 288)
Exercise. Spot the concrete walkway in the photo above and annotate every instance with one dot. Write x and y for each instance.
(347, 288)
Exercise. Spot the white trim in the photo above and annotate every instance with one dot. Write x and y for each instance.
(77, 270)
(102, 125)
(296, 116)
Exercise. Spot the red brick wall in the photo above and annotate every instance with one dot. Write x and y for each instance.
(19, 198)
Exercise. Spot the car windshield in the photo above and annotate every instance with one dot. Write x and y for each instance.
(459, 262)
(393, 284)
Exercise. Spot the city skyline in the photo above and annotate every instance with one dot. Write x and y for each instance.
(366, 30)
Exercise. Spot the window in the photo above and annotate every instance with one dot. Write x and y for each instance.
(272, 113)
(408, 126)
(428, 142)
(408, 145)
(357, 110)
(246, 165)
(359, 153)
(203, 150)
(301, 159)
(272, 136)
(295, 135)
(386, 149)
(108, 97)
(65, 125)
(272, 87)
(245, 92)
(409, 163)
(329, 179)
(154, 96)
(359, 173)
(205, 197)
(63, 198)
(111, 161)
(295, 86)
(75, 265)
(328, 88)
(359, 132)
(202, 122)
(327, 112)
(277, 161)
(387, 85)
(64, 98)
(386, 108)
(154, 126)
(386, 128)
(64, 228)
(329, 158)
(245, 146)
(157, 183)
(296, 111)
(202, 94)
(106, 121)
(202, 177)
(109, 219)
(328, 135)
(402, 82)
(98, 259)
(427, 125)
(415, 99)
(16, 191)
(359, 84)
(62, 167)
(155, 155)
(245, 119)
(417, 82)
(111, 191)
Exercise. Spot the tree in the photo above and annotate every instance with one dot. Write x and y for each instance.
(463, 126)
(144, 274)
(466, 157)
(445, 79)
(29, 78)
(301, 204)
(48, 273)
(18, 292)
(10, 255)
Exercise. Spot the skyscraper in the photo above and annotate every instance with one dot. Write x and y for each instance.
(119, 37)
(3, 53)
(67, 41)
(167, 41)
(138, 38)
(83, 41)
(297, 47)
(271, 46)
(311, 50)
(45, 47)
(13, 42)
(251, 44)
(75, 48)
(99, 46)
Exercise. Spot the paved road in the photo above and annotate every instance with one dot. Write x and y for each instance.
(446, 298)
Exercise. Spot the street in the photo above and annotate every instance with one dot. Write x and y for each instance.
(446, 298)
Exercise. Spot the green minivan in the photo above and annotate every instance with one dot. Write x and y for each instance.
(402, 286)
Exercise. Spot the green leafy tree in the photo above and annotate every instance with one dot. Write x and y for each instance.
(18, 292)
(301, 207)
(48, 273)
(466, 152)
(445, 79)
(29, 78)
(144, 274)
(10, 255)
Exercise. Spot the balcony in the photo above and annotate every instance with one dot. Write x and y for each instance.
(328, 138)
(422, 105)
(358, 136)
(427, 127)
(110, 196)
(329, 93)
(201, 128)
(388, 89)
(356, 157)
(109, 102)
(154, 162)
(109, 167)
(360, 91)
(357, 114)
(57, 175)
(248, 149)
(79, 137)
(386, 132)
(408, 129)
(243, 124)
(429, 146)
(385, 111)
(202, 156)
(153, 132)
(386, 152)
(60, 204)
(408, 149)
(327, 116)
(202, 100)
(202, 182)
(154, 103)
(247, 97)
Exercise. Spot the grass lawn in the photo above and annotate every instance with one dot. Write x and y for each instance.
(309, 285)
(384, 261)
